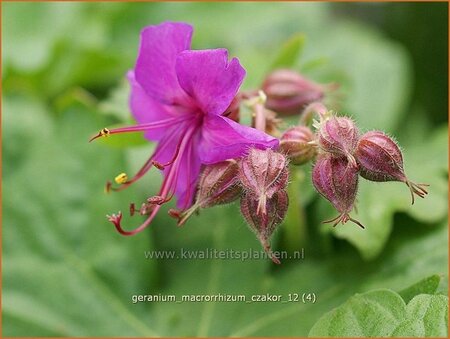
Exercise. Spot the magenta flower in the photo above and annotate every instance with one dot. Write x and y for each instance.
(178, 97)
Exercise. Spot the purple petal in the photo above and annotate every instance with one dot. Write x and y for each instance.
(155, 65)
(209, 78)
(146, 110)
(223, 139)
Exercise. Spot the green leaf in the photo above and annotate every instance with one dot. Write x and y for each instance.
(383, 313)
(117, 101)
(60, 246)
(427, 316)
(289, 52)
(375, 80)
(372, 314)
(54, 221)
(428, 285)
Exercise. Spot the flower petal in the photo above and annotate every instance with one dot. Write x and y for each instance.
(146, 110)
(223, 139)
(209, 78)
(155, 65)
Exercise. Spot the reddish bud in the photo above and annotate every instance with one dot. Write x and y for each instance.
(262, 173)
(337, 181)
(380, 159)
(297, 144)
(339, 136)
(218, 184)
(264, 224)
(288, 92)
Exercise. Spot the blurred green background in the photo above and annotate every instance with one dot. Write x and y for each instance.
(66, 272)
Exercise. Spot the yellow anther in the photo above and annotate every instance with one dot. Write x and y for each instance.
(121, 178)
(262, 97)
(104, 132)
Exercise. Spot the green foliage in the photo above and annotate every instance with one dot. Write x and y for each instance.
(67, 273)
(383, 313)
(289, 52)
(428, 285)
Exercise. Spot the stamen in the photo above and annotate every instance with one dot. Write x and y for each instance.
(174, 213)
(146, 209)
(108, 187)
(260, 117)
(169, 184)
(166, 192)
(116, 219)
(140, 128)
(121, 178)
(104, 132)
(157, 200)
(132, 209)
(146, 167)
(160, 166)
(188, 193)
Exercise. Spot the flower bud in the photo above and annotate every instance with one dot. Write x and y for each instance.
(262, 173)
(337, 181)
(296, 143)
(264, 224)
(288, 92)
(380, 159)
(339, 136)
(218, 184)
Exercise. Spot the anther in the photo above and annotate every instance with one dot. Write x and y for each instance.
(157, 200)
(108, 187)
(174, 214)
(121, 178)
(158, 165)
(103, 133)
(132, 209)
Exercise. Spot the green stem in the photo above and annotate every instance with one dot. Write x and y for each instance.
(295, 231)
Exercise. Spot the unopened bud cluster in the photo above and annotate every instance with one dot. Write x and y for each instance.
(341, 155)
(339, 152)
(259, 179)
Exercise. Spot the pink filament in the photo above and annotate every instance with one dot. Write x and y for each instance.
(168, 187)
